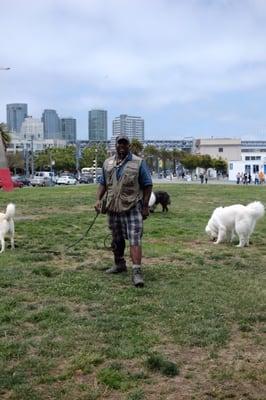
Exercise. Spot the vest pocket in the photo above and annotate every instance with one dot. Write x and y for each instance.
(129, 180)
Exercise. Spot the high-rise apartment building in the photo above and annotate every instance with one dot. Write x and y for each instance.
(69, 129)
(51, 124)
(98, 125)
(128, 125)
(15, 115)
(31, 128)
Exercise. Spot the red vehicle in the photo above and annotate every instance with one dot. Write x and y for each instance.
(17, 183)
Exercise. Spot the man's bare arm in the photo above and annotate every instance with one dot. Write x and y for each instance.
(146, 197)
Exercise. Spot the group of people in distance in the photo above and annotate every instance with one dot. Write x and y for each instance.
(245, 178)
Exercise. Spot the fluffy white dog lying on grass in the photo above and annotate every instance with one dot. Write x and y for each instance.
(7, 227)
(236, 220)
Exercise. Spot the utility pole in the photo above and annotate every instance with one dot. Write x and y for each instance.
(26, 158)
(78, 156)
(32, 156)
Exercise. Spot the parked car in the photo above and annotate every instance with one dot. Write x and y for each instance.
(42, 178)
(23, 179)
(17, 183)
(66, 180)
(85, 178)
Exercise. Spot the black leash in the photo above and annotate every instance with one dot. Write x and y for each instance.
(85, 234)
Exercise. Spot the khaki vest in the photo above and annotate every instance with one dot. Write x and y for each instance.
(122, 194)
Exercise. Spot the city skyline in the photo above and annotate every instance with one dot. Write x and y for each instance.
(188, 68)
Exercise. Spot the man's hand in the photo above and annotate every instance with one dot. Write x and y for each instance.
(145, 212)
(97, 206)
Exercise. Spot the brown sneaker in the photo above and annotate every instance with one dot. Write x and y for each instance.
(116, 269)
(137, 277)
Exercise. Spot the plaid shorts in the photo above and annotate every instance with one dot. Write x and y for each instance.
(127, 225)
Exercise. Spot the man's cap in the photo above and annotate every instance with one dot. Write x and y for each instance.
(122, 137)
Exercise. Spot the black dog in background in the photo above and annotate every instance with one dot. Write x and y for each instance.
(159, 197)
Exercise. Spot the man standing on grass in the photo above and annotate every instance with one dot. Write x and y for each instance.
(127, 183)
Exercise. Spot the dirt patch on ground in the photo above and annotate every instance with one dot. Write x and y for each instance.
(235, 372)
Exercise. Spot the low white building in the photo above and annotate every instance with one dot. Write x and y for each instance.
(19, 145)
(251, 163)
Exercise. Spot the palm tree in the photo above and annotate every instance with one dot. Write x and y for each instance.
(165, 155)
(5, 135)
(151, 157)
(176, 156)
(136, 147)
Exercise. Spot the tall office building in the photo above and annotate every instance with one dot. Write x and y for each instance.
(15, 115)
(51, 124)
(31, 128)
(128, 125)
(98, 125)
(69, 129)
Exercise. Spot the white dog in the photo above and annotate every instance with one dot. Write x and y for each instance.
(236, 220)
(7, 227)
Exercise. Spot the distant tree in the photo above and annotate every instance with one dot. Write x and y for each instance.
(176, 156)
(89, 155)
(205, 161)
(136, 147)
(165, 155)
(15, 162)
(220, 165)
(101, 154)
(65, 159)
(41, 161)
(151, 157)
(190, 161)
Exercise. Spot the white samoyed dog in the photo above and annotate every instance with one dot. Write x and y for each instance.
(7, 226)
(234, 221)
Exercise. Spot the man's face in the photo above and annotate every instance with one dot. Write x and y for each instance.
(122, 148)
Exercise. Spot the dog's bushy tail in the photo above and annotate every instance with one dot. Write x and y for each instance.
(256, 208)
(10, 211)
(152, 199)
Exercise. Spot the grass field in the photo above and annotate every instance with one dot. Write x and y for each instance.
(69, 331)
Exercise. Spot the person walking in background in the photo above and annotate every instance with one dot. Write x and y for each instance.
(127, 184)
(256, 181)
(238, 176)
(261, 177)
(201, 177)
(206, 177)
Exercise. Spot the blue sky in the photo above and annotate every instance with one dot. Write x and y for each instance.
(188, 67)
